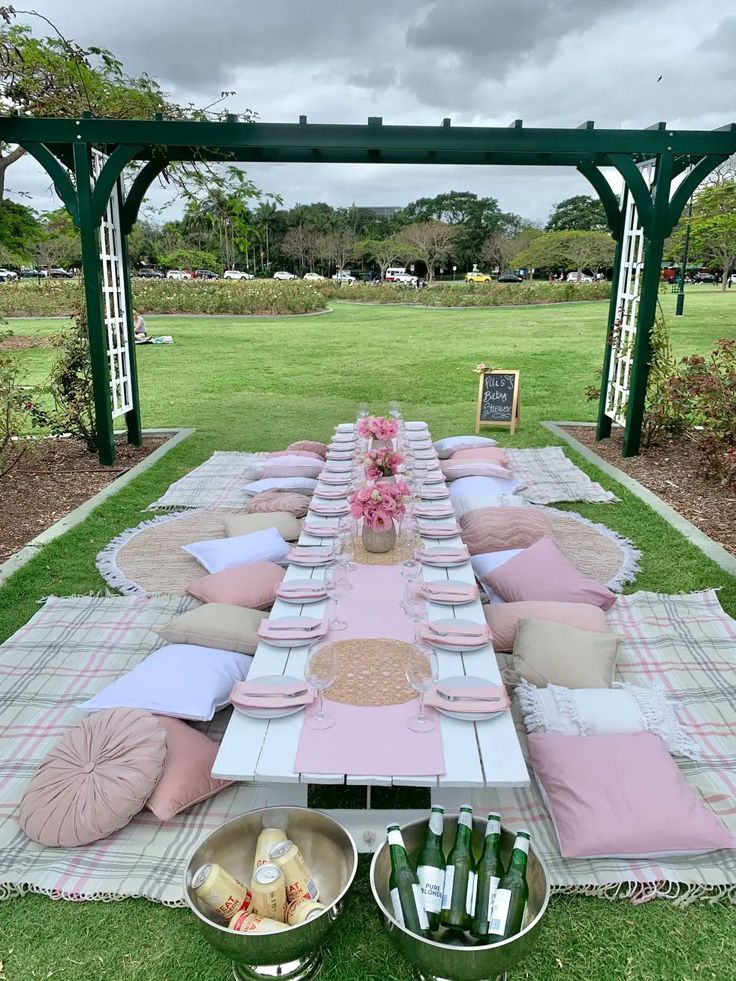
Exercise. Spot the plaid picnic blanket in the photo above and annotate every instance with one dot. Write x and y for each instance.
(216, 483)
(687, 644)
(69, 650)
(550, 477)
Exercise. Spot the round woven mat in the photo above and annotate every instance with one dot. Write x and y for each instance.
(364, 557)
(371, 671)
(593, 553)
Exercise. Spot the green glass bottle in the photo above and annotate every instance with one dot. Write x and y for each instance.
(459, 888)
(406, 896)
(512, 893)
(490, 870)
(431, 868)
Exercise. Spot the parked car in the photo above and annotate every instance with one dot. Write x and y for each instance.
(28, 272)
(476, 277)
(405, 279)
(7, 275)
(393, 272)
(283, 274)
(509, 277)
(579, 277)
(58, 273)
(237, 274)
(205, 274)
(704, 277)
(313, 277)
(178, 274)
(342, 276)
(146, 272)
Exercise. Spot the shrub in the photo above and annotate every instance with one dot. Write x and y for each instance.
(14, 411)
(469, 294)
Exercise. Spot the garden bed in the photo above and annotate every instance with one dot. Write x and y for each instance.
(674, 472)
(53, 478)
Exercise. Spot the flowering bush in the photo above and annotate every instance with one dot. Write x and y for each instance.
(468, 294)
(382, 463)
(378, 427)
(380, 504)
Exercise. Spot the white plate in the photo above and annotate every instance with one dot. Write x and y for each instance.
(464, 645)
(307, 563)
(435, 477)
(447, 602)
(338, 466)
(302, 582)
(314, 635)
(254, 713)
(439, 563)
(468, 681)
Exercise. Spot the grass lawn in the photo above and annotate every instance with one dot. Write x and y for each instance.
(260, 383)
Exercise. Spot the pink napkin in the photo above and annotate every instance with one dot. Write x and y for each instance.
(444, 553)
(310, 554)
(329, 510)
(475, 700)
(326, 530)
(267, 695)
(424, 454)
(435, 529)
(291, 628)
(464, 593)
(337, 466)
(434, 493)
(334, 478)
(347, 437)
(434, 511)
(330, 493)
(340, 455)
(285, 591)
(435, 477)
(454, 638)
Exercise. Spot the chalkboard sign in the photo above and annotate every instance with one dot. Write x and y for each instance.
(498, 400)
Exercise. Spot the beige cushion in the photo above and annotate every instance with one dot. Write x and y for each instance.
(220, 625)
(555, 654)
(499, 529)
(285, 523)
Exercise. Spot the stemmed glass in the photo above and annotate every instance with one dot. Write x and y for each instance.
(422, 672)
(362, 411)
(346, 543)
(420, 476)
(321, 672)
(336, 586)
(414, 605)
(411, 567)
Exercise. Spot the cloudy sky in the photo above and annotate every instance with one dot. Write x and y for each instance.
(480, 62)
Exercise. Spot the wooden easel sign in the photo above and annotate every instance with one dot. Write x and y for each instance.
(499, 400)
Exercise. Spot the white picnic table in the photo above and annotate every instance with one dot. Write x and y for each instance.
(479, 756)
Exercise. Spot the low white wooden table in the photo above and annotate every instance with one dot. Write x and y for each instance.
(479, 756)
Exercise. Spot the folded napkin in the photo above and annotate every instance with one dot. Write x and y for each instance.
(428, 453)
(329, 510)
(421, 443)
(301, 591)
(434, 493)
(475, 700)
(291, 628)
(337, 466)
(415, 426)
(339, 454)
(345, 427)
(444, 553)
(460, 637)
(338, 479)
(432, 511)
(267, 695)
(447, 592)
(346, 437)
(310, 554)
(435, 529)
(435, 477)
(325, 530)
(331, 493)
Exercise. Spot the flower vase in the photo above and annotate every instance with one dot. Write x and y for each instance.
(381, 444)
(378, 541)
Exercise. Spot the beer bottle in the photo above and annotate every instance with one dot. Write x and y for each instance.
(431, 868)
(406, 895)
(490, 870)
(459, 887)
(512, 893)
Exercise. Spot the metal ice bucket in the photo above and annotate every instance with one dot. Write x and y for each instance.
(330, 853)
(444, 959)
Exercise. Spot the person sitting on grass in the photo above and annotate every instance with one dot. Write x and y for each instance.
(141, 335)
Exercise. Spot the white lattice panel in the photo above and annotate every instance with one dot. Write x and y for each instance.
(113, 292)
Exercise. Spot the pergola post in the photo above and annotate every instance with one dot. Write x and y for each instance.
(88, 224)
(603, 426)
(132, 416)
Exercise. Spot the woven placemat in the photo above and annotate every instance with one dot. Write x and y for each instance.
(364, 557)
(371, 671)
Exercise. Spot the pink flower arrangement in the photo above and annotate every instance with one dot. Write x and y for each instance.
(380, 503)
(378, 427)
(382, 463)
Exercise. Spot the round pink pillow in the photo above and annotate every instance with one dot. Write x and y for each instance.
(311, 445)
(96, 778)
(296, 504)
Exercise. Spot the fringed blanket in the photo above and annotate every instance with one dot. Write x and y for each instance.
(550, 478)
(216, 483)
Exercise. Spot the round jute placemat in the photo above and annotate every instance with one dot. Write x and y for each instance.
(364, 557)
(371, 671)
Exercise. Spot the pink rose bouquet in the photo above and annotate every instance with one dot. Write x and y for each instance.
(382, 463)
(380, 503)
(378, 427)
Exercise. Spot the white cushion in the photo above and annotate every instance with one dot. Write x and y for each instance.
(464, 503)
(468, 486)
(488, 561)
(300, 485)
(216, 554)
(184, 681)
(447, 446)
(291, 466)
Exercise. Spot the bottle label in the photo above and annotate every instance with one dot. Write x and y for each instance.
(522, 845)
(494, 881)
(493, 827)
(396, 904)
(466, 819)
(435, 822)
(421, 911)
(500, 912)
(394, 838)
(470, 894)
(447, 887)
(432, 881)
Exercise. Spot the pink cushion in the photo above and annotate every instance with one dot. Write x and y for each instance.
(504, 618)
(291, 466)
(453, 470)
(186, 779)
(296, 504)
(622, 796)
(542, 572)
(302, 453)
(252, 585)
(311, 445)
(95, 779)
(489, 454)
(498, 529)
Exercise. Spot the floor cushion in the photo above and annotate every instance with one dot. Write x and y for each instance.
(185, 681)
(542, 572)
(270, 501)
(621, 796)
(450, 444)
(186, 778)
(292, 466)
(504, 618)
(464, 503)
(494, 529)
(253, 586)
(220, 625)
(299, 485)
(455, 469)
(285, 524)
(556, 654)
(310, 445)
(465, 486)
(96, 778)
(299, 453)
(489, 454)
(486, 562)
(217, 554)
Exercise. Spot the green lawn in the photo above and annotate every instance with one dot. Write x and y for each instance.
(260, 383)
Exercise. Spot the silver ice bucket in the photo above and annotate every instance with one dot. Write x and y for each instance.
(330, 853)
(444, 959)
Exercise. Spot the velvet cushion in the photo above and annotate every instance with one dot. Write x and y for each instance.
(486, 562)
(253, 586)
(299, 485)
(450, 444)
(220, 625)
(311, 445)
(298, 453)
(455, 469)
(622, 796)
(487, 454)
(285, 524)
(291, 466)
(556, 654)
(96, 778)
(494, 529)
(217, 554)
(504, 618)
(186, 779)
(542, 572)
(270, 501)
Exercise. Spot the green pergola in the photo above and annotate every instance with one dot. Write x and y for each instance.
(64, 149)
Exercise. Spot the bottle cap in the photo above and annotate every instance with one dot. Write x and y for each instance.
(266, 874)
(466, 807)
(494, 817)
(438, 807)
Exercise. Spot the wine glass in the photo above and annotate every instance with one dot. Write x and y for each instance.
(420, 475)
(414, 604)
(335, 587)
(362, 411)
(320, 671)
(422, 672)
(346, 544)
